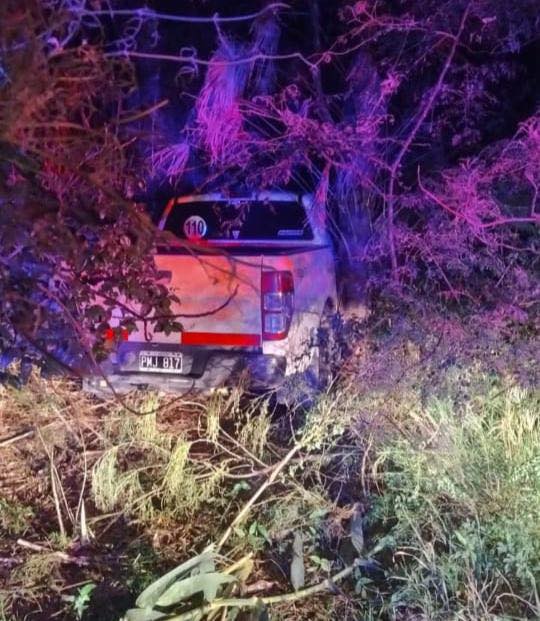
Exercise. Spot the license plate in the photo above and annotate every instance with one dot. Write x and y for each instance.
(160, 361)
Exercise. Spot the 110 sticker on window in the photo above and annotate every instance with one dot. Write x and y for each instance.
(195, 227)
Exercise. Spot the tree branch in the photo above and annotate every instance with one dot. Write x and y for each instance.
(247, 507)
(408, 141)
(145, 13)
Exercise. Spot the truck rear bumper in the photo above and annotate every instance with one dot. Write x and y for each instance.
(221, 369)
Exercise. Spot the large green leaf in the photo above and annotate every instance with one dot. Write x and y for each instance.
(149, 597)
(144, 614)
(205, 583)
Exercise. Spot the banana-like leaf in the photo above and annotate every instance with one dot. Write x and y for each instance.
(184, 589)
(241, 570)
(150, 596)
(144, 614)
(206, 566)
(297, 564)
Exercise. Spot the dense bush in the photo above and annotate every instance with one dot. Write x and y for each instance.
(72, 240)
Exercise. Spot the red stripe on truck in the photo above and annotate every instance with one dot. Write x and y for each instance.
(220, 338)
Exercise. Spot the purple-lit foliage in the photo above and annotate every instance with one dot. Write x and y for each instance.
(421, 186)
(67, 229)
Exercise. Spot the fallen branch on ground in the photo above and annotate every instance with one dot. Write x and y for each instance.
(247, 507)
(61, 556)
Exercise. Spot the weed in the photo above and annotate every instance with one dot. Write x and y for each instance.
(143, 568)
(14, 517)
(81, 600)
(254, 428)
(443, 480)
(146, 470)
(37, 570)
(4, 607)
(328, 419)
(59, 541)
(461, 499)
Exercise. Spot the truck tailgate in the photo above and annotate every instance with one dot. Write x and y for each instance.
(219, 299)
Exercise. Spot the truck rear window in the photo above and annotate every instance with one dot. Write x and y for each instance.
(241, 220)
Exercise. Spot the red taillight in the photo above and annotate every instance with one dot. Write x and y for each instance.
(110, 334)
(277, 304)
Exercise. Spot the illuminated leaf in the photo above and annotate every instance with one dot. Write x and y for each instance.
(297, 563)
(183, 590)
(357, 530)
(149, 597)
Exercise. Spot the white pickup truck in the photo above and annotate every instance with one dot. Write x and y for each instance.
(255, 279)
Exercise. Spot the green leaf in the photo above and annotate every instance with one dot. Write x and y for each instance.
(318, 514)
(82, 599)
(205, 583)
(144, 614)
(241, 486)
(263, 531)
(321, 562)
(206, 566)
(385, 542)
(149, 597)
(360, 586)
(256, 529)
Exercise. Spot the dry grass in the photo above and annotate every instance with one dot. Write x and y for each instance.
(175, 475)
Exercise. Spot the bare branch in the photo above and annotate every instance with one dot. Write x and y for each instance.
(145, 13)
(390, 204)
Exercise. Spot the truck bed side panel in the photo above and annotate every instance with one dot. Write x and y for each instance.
(218, 295)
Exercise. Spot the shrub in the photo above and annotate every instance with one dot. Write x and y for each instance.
(461, 502)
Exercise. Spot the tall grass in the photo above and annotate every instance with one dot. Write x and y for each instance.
(460, 500)
(147, 472)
